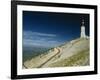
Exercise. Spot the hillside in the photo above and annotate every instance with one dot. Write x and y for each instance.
(72, 53)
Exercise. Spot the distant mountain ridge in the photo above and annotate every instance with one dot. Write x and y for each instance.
(72, 53)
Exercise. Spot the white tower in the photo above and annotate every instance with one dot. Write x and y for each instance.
(82, 35)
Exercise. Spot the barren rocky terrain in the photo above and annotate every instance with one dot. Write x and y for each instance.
(72, 53)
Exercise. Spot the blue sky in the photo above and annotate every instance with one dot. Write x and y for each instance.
(51, 29)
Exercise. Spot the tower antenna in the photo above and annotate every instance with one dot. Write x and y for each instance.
(83, 22)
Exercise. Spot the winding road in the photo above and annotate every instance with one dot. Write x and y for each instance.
(57, 50)
(39, 62)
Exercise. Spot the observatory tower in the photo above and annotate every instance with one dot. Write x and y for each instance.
(83, 35)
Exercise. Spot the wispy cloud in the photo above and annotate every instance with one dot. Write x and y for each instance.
(39, 39)
(38, 34)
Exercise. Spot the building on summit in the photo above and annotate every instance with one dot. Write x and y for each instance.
(83, 34)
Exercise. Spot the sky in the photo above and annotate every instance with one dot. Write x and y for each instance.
(51, 29)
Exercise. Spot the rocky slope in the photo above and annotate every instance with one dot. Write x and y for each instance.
(72, 53)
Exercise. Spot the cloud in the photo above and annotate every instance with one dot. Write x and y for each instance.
(38, 34)
(39, 39)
